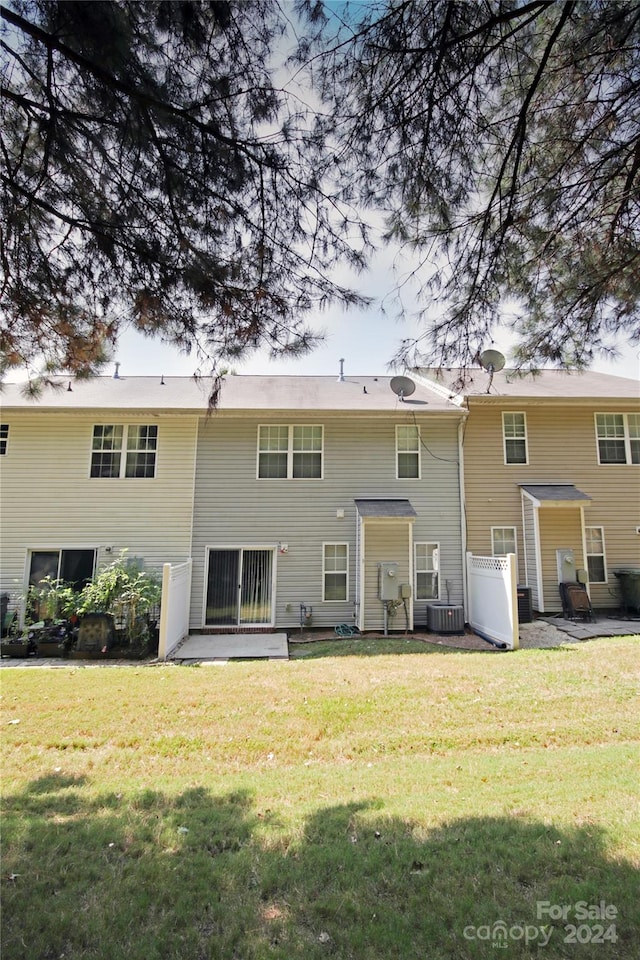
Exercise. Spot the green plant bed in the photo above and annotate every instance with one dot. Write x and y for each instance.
(112, 653)
(90, 655)
(53, 649)
(14, 648)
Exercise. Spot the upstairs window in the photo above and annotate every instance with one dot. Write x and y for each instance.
(427, 562)
(290, 452)
(618, 436)
(408, 453)
(514, 431)
(4, 438)
(124, 450)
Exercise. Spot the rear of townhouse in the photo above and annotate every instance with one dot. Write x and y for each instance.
(320, 540)
(62, 516)
(566, 511)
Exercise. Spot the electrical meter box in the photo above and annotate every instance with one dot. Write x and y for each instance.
(388, 581)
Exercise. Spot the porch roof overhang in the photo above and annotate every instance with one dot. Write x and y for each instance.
(386, 509)
(555, 495)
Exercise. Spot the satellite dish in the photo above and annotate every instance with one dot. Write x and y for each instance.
(492, 360)
(402, 386)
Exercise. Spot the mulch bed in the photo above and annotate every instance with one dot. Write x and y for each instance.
(457, 641)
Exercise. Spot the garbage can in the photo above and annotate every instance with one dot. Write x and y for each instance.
(629, 578)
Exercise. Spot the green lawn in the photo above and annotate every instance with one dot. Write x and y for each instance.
(367, 805)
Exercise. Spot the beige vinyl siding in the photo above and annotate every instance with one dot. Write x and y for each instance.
(562, 447)
(559, 529)
(234, 508)
(388, 540)
(48, 499)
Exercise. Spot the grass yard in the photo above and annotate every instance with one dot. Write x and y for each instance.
(351, 803)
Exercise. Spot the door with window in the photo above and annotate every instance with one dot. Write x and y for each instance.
(240, 587)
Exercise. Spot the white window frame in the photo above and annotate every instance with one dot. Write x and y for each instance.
(494, 552)
(590, 553)
(291, 450)
(514, 436)
(405, 451)
(494, 531)
(59, 550)
(435, 569)
(4, 439)
(630, 431)
(326, 571)
(125, 449)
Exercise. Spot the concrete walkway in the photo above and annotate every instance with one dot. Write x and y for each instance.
(233, 646)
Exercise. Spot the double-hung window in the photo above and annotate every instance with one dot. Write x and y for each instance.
(290, 451)
(514, 433)
(596, 563)
(618, 436)
(4, 438)
(503, 541)
(124, 450)
(427, 563)
(407, 453)
(335, 571)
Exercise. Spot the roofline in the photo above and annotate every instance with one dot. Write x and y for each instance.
(493, 401)
(232, 412)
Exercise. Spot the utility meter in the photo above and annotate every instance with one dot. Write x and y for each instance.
(388, 581)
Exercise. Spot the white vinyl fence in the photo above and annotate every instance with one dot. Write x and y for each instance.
(174, 610)
(493, 598)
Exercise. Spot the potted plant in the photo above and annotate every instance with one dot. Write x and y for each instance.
(53, 603)
(14, 642)
(115, 608)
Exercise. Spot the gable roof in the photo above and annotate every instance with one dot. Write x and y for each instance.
(238, 393)
(547, 385)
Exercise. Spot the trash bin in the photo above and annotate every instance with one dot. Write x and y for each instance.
(629, 578)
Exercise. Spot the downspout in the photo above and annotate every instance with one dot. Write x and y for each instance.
(584, 565)
(463, 513)
(358, 578)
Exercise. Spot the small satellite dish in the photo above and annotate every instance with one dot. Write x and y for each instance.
(492, 360)
(402, 386)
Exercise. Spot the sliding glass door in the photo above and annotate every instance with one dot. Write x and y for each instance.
(239, 587)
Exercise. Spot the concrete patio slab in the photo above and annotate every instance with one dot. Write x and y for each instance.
(253, 646)
(589, 630)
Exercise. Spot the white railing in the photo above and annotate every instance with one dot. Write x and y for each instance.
(174, 610)
(493, 598)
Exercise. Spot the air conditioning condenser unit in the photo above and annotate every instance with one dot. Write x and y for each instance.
(445, 618)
